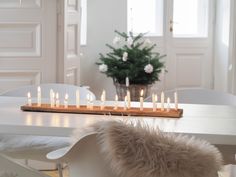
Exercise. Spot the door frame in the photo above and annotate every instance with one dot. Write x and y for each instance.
(67, 66)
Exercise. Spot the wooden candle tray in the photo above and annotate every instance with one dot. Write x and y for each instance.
(108, 110)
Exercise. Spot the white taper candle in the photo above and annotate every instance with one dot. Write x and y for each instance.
(88, 100)
(162, 101)
(77, 99)
(91, 102)
(141, 100)
(39, 96)
(29, 99)
(176, 101)
(154, 102)
(116, 102)
(66, 100)
(128, 99)
(57, 100)
(52, 98)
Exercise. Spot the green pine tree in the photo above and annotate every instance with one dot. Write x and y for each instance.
(139, 56)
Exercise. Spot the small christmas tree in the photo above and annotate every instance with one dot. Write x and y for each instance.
(134, 59)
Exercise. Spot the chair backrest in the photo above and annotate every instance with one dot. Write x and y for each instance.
(62, 89)
(201, 96)
(84, 158)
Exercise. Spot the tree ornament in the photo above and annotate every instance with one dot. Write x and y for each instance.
(116, 40)
(147, 43)
(148, 68)
(125, 56)
(103, 68)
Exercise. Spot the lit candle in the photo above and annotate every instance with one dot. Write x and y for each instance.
(154, 101)
(116, 102)
(128, 99)
(57, 100)
(39, 96)
(176, 101)
(104, 95)
(91, 102)
(127, 82)
(125, 103)
(162, 101)
(66, 100)
(168, 105)
(141, 100)
(53, 99)
(29, 99)
(88, 101)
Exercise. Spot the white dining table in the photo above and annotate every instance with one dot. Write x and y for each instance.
(214, 123)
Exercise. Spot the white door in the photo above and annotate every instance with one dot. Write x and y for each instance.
(69, 41)
(189, 32)
(182, 29)
(27, 42)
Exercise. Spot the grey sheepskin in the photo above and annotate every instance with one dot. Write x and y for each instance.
(136, 150)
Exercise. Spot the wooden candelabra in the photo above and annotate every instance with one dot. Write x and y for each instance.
(107, 110)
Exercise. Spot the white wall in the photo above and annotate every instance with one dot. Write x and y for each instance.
(100, 30)
(221, 51)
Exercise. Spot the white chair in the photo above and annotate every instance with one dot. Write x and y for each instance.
(113, 149)
(36, 147)
(201, 96)
(62, 89)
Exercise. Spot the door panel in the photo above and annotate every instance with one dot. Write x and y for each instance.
(20, 39)
(20, 3)
(69, 37)
(27, 42)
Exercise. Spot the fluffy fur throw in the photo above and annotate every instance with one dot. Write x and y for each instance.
(136, 150)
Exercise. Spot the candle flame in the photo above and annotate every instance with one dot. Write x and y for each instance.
(29, 95)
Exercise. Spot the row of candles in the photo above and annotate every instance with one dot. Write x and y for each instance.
(55, 101)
